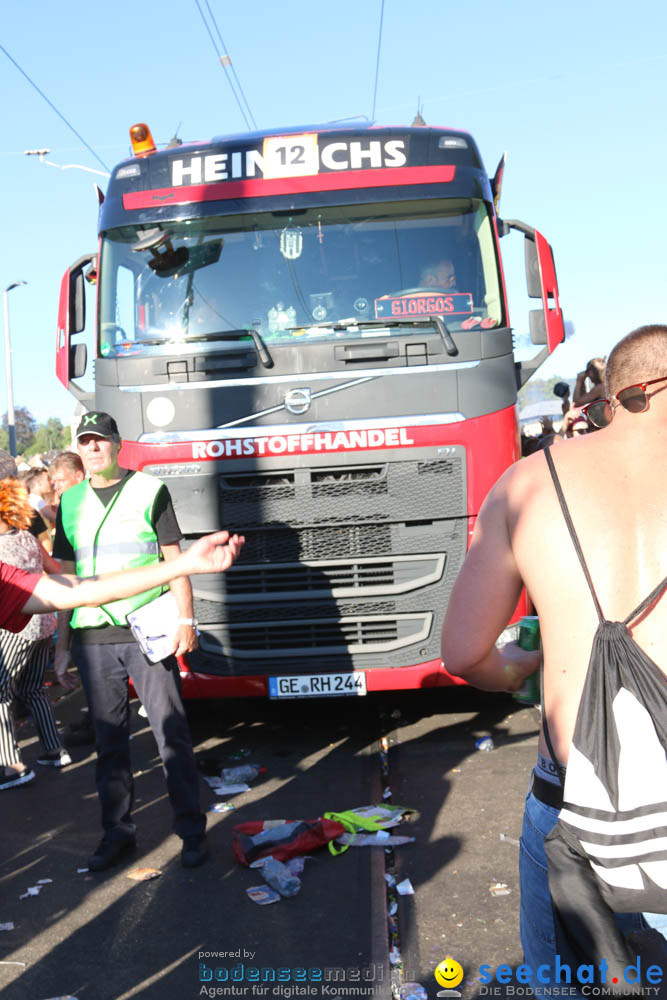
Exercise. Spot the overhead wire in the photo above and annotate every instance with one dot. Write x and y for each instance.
(226, 61)
(54, 108)
(377, 61)
(230, 64)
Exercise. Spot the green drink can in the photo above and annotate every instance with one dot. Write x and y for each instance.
(529, 632)
(529, 638)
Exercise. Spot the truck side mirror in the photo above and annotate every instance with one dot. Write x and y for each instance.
(71, 359)
(537, 326)
(77, 303)
(533, 286)
(78, 360)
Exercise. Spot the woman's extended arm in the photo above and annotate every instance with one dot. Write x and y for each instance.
(211, 554)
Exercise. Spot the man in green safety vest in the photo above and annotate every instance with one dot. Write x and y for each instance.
(118, 520)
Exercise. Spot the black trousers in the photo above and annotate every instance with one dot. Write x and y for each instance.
(104, 670)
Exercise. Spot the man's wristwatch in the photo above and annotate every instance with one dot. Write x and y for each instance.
(192, 622)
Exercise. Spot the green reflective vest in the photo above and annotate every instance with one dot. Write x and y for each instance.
(117, 537)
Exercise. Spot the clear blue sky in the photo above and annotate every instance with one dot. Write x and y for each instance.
(574, 92)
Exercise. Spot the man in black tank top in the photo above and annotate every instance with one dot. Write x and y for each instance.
(591, 549)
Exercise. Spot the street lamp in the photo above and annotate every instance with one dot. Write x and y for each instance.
(8, 365)
(62, 166)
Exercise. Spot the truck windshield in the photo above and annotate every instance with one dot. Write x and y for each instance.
(295, 277)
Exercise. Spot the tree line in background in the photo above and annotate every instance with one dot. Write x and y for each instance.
(33, 438)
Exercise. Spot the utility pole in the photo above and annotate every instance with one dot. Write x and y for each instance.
(11, 425)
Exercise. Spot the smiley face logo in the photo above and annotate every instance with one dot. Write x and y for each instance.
(449, 973)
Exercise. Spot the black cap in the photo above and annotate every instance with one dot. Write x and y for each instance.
(97, 422)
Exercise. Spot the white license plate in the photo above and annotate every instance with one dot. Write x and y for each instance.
(317, 685)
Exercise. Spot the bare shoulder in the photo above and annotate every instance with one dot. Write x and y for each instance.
(525, 473)
(527, 488)
(519, 482)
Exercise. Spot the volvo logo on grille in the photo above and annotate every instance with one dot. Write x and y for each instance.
(298, 400)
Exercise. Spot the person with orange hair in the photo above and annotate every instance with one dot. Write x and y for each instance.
(24, 654)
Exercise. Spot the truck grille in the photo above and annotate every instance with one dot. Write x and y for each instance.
(335, 496)
(323, 636)
(342, 567)
(338, 578)
(284, 544)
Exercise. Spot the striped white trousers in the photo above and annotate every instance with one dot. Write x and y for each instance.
(22, 665)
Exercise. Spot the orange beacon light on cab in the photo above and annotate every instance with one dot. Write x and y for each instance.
(142, 140)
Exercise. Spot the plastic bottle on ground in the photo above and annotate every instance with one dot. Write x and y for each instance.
(279, 877)
(243, 772)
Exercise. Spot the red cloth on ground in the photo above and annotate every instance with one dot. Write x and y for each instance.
(16, 586)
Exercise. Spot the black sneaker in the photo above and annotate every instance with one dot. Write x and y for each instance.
(194, 851)
(109, 852)
(55, 758)
(16, 778)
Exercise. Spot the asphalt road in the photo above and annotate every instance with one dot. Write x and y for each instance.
(107, 937)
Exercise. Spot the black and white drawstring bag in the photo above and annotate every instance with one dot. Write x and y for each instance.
(608, 852)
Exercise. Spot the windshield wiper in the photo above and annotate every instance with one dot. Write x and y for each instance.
(259, 344)
(145, 341)
(345, 324)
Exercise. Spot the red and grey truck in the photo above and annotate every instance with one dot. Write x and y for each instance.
(305, 334)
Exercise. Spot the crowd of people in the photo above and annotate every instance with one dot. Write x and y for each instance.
(589, 387)
(117, 531)
(24, 656)
(28, 509)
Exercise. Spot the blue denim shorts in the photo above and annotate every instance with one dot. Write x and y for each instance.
(538, 935)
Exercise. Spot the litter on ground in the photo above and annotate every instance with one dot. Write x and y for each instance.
(500, 889)
(143, 874)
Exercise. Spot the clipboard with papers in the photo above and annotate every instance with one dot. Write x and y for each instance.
(154, 625)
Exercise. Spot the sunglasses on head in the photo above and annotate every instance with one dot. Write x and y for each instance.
(633, 399)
